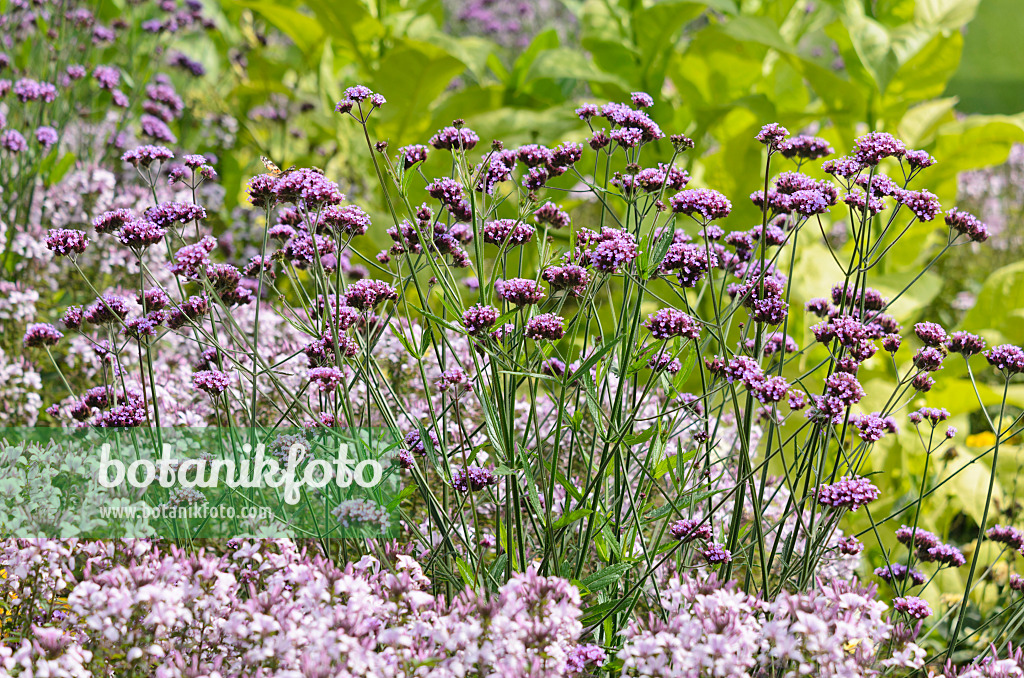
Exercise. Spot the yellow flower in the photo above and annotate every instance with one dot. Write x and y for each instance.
(984, 439)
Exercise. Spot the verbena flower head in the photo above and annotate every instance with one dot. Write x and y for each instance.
(140, 234)
(12, 141)
(946, 554)
(609, 250)
(144, 156)
(106, 310)
(41, 334)
(367, 294)
(900, 572)
(929, 358)
(46, 136)
(805, 147)
(707, 203)
(509, 232)
(1007, 358)
(546, 326)
(1005, 534)
(912, 606)
(520, 291)
(479, 319)
(455, 138)
(327, 379)
(967, 224)
(690, 261)
(932, 334)
(842, 167)
(916, 537)
(919, 159)
(669, 322)
(716, 554)
(168, 214)
(689, 529)
(473, 479)
(413, 154)
(348, 219)
(772, 134)
(934, 415)
(308, 187)
(641, 99)
(213, 382)
(873, 427)
(872, 148)
(965, 343)
(924, 204)
(112, 221)
(66, 241)
(849, 493)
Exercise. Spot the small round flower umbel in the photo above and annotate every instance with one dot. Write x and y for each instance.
(326, 378)
(912, 606)
(366, 294)
(707, 203)
(41, 334)
(669, 322)
(66, 241)
(546, 326)
(965, 343)
(1007, 358)
(473, 479)
(479, 319)
(715, 553)
(213, 382)
(848, 493)
(772, 134)
(688, 529)
(520, 291)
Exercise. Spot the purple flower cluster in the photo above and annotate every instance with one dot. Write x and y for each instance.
(479, 319)
(366, 294)
(848, 493)
(473, 479)
(912, 606)
(689, 529)
(520, 291)
(546, 326)
(213, 382)
(706, 203)
(669, 322)
(509, 232)
(1007, 358)
(607, 251)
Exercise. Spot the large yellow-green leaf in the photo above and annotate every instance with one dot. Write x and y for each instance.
(997, 308)
(412, 76)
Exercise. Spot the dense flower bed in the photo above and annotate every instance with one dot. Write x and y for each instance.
(627, 443)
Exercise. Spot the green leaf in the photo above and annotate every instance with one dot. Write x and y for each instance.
(607, 576)
(872, 43)
(639, 438)
(594, 406)
(305, 31)
(660, 249)
(349, 23)
(572, 517)
(596, 612)
(991, 312)
(945, 15)
(412, 76)
(569, 64)
(60, 169)
(466, 571)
